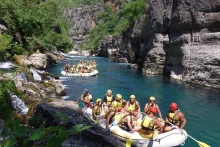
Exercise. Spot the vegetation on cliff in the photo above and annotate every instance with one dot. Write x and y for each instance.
(115, 23)
(33, 25)
(16, 132)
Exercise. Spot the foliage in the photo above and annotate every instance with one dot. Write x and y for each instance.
(21, 135)
(115, 24)
(5, 87)
(83, 3)
(35, 25)
(5, 41)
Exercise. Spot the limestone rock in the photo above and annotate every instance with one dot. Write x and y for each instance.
(38, 61)
(191, 52)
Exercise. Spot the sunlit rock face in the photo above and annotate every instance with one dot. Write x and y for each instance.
(190, 52)
(18, 105)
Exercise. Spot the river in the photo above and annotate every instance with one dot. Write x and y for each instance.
(201, 105)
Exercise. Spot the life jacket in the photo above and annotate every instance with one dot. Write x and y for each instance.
(132, 106)
(123, 121)
(86, 98)
(98, 112)
(116, 104)
(109, 99)
(171, 117)
(147, 123)
(119, 117)
(148, 112)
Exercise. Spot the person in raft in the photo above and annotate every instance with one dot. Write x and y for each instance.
(147, 126)
(108, 99)
(151, 104)
(174, 117)
(97, 110)
(66, 67)
(87, 100)
(127, 122)
(118, 104)
(133, 105)
(116, 107)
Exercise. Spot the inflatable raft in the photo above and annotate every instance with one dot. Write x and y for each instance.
(94, 73)
(169, 139)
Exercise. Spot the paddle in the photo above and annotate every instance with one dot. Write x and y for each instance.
(129, 141)
(201, 144)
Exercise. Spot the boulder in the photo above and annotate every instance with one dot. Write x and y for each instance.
(92, 137)
(39, 61)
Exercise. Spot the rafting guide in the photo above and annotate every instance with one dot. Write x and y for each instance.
(87, 100)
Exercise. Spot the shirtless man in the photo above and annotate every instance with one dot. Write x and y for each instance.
(174, 117)
(150, 104)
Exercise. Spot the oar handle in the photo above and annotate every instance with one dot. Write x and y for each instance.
(192, 138)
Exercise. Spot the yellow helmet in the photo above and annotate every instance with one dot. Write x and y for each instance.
(119, 96)
(152, 98)
(98, 100)
(132, 96)
(109, 91)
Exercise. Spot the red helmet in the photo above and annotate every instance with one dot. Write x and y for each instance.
(153, 109)
(174, 106)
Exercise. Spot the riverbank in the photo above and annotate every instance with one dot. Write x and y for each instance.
(42, 93)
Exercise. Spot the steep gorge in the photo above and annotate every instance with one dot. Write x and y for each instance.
(176, 37)
(185, 40)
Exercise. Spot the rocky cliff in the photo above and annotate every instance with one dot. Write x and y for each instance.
(82, 21)
(184, 40)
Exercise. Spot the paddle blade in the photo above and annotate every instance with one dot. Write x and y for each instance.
(202, 144)
(128, 142)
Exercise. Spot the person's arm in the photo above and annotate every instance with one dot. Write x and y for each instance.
(94, 111)
(108, 119)
(166, 120)
(126, 106)
(104, 100)
(128, 120)
(146, 108)
(157, 122)
(138, 106)
(159, 112)
(183, 119)
(86, 101)
(79, 99)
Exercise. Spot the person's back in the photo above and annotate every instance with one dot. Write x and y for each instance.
(146, 127)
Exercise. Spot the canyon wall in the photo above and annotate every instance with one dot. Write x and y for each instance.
(184, 40)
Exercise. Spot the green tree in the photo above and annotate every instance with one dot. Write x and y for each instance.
(36, 24)
(115, 23)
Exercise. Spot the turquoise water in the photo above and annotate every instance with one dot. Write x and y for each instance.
(200, 105)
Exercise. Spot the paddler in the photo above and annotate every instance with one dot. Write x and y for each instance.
(133, 105)
(151, 104)
(108, 99)
(146, 127)
(175, 117)
(97, 110)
